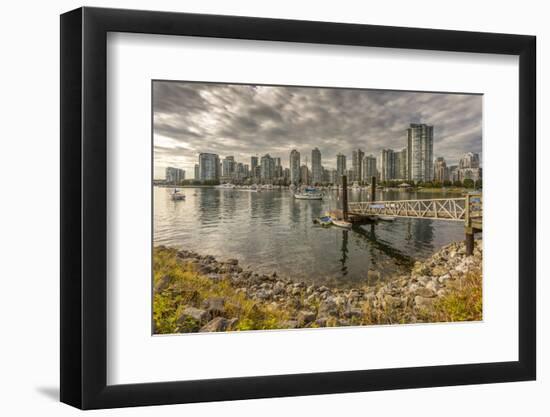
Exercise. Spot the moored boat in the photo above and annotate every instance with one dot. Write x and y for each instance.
(341, 223)
(176, 195)
(323, 221)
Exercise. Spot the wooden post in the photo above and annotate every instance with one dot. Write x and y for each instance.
(469, 240)
(345, 196)
(373, 189)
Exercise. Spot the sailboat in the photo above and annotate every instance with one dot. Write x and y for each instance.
(176, 196)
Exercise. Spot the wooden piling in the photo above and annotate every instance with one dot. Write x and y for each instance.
(373, 189)
(469, 241)
(345, 208)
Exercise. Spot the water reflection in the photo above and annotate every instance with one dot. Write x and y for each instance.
(271, 231)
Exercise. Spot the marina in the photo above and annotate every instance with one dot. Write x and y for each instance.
(271, 231)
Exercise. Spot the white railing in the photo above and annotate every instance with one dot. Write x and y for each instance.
(439, 208)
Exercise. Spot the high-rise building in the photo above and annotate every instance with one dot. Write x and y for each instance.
(340, 167)
(325, 178)
(316, 167)
(469, 160)
(356, 162)
(294, 167)
(253, 164)
(453, 173)
(174, 175)
(209, 167)
(420, 141)
(334, 178)
(369, 168)
(441, 172)
(387, 165)
(278, 168)
(304, 175)
(197, 175)
(401, 166)
(228, 166)
(468, 167)
(267, 165)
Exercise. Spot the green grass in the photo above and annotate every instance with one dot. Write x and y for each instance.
(186, 288)
(463, 303)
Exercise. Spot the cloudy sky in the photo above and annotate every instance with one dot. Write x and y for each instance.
(246, 120)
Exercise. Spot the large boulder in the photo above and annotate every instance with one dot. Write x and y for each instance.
(305, 317)
(197, 314)
(218, 324)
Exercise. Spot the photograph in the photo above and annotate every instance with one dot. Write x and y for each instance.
(307, 207)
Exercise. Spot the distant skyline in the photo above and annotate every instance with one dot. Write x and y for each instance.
(249, 120)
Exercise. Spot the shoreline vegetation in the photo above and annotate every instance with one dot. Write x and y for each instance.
(198, 293)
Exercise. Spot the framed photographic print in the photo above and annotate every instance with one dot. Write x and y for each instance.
(259, 207)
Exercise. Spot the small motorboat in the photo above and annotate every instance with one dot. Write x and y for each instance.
(386, 218)
(176, 195)
(324, 221)
(309, 194)
(341, 223)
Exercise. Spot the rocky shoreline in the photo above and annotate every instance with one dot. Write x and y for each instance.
(409, 298)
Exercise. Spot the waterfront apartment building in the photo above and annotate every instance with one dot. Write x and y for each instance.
(369, 168)
(469, 160)
(340, 167)
(174, 175)
(316, 167)
(387, 165)
(294, 166)
(253, 165)
(469, 167)
(441, 172)
(197, 175)
(401, 166)
(209, 167)
(356, 162)
(420, 152)
(453, 173)
(304, 175)
(267, 172)
(228, 166)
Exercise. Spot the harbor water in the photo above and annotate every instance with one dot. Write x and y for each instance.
(270, 231)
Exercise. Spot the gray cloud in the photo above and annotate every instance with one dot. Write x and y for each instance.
(245, 120)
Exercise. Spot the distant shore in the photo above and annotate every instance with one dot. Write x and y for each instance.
(198, 293)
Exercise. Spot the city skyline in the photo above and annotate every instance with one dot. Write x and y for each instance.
(244, 121)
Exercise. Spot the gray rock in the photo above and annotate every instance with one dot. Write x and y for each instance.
(305, 317)
(296, 291)
(194, 313)
(232, 323)
(444, 278)
(321, 322)
(219, 324)
(278, 288)
(328, 307)
(290, 324)
(232, 262)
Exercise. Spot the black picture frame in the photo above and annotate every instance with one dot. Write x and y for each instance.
(84, 207)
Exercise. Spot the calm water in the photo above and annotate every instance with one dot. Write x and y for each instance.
(271, 231)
